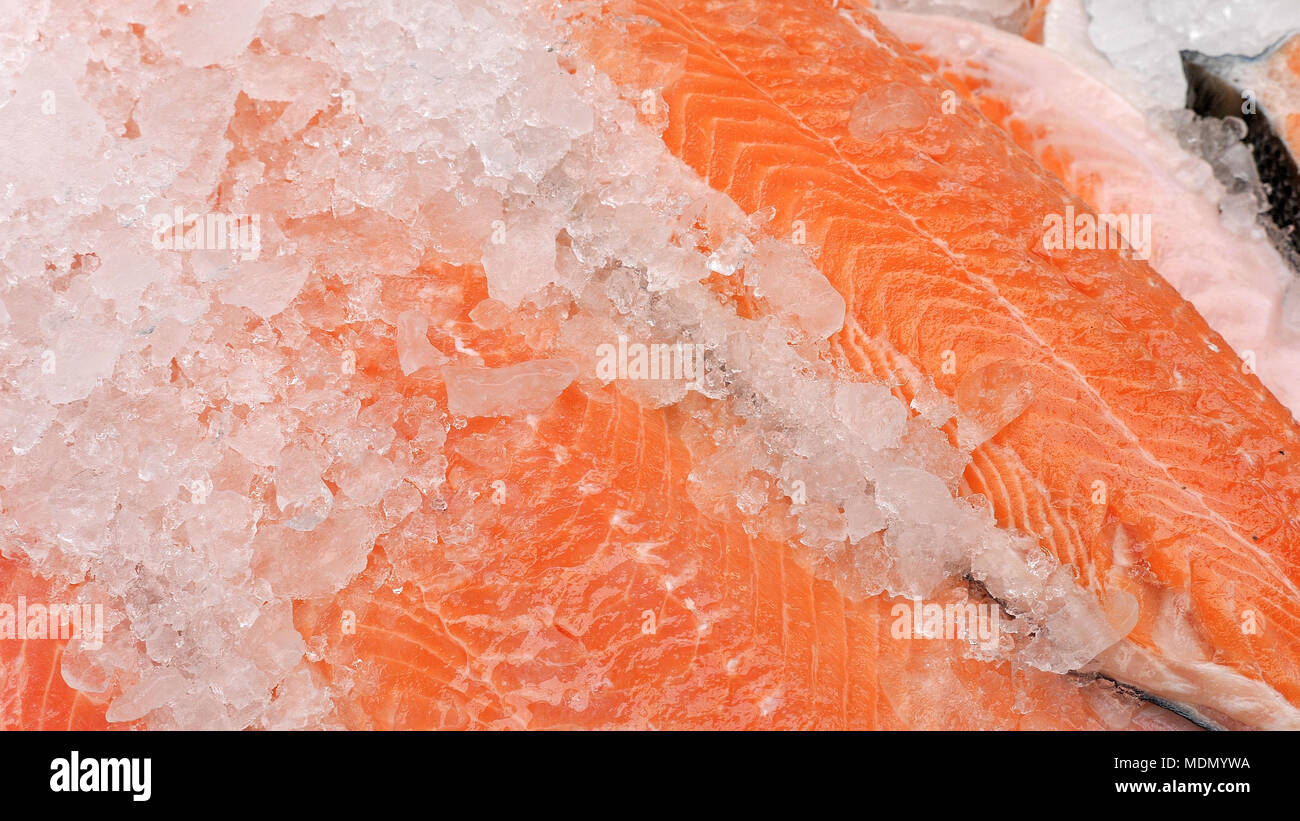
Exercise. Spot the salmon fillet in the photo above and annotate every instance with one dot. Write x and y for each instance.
(620, 606)
(33, 692)
(501, 538)
(1192, 484)
(1106, 152)
(756, 165)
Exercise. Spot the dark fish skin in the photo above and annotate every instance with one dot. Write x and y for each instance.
(1213, 91)
(1189, 714)
(1181, 710)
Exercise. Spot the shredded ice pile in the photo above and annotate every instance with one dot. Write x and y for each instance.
(199, 435)
(1143, 38)
(1142, 44)
(1240, 194)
